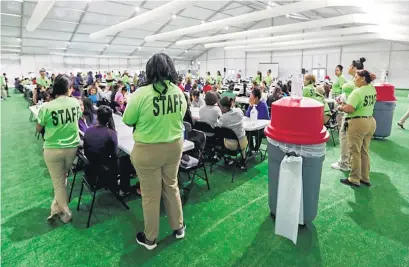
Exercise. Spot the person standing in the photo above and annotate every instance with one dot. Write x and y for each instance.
(59, 119)
(337, 85)
(268, 79)
(209, 78)
(219, 79)
(125, 79)
(343, 163)
(403, 119)
(156, 112)
(361, 127)
(43, 79)
(188, 74)
(258, 78)
(3, 87)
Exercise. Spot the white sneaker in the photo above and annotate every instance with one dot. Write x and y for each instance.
(336, 166)
(180, 233)
(66, 217)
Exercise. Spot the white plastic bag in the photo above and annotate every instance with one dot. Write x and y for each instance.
(289, 213)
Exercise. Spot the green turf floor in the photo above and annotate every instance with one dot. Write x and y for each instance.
(226, 226)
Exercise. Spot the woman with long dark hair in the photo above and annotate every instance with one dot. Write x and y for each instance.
(361, 127)
(156, 112)
(88, 114)
(59, 118)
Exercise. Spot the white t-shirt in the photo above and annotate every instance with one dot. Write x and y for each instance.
(210, 114)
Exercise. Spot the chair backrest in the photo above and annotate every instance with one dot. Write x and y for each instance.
(204, 127)
(225, 133)
(198, 138)
(188, 126)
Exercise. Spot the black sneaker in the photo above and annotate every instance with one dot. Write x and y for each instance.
(141, 239)
(180, 233)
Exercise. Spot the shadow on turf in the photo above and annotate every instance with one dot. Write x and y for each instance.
(390, 151)
(29, 223)
(220, 182)
(379, 209)
(268, 249)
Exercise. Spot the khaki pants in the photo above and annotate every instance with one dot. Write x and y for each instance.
(404, 118)
(232, 145)
(360, 132)
(343, 143)
(59, 161)
(157, 166)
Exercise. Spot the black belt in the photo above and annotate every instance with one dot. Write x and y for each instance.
(359, 117)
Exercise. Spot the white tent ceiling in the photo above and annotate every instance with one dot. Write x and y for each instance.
(68, 25)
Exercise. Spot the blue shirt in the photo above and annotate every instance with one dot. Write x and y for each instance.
(93, 98)
(262, 110)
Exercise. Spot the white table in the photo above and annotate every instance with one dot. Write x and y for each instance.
(29, 87)
(34, 112)
(125, 137)
(248, 125)
(242, 99)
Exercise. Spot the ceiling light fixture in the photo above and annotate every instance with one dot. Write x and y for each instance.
(202, 22)
(186, 51)
(226, 28)
(139, 48)
(137, 9)
(287, 15)
(18, 39)
(174, 16)
(107, 45)
(9, 14)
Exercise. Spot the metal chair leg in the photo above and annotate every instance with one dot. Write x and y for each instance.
(72, 186)
(207, 178)
(92, 207)
(79, 200)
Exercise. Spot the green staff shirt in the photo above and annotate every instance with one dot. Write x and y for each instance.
(219, 79)
(125, 79)
(257, 80)
(348, 87)
(157, 119)
(308, 91)
(321, 99)
(2, 82)
(337, 85)
(209, 79)
(229, 94)
(60, 120)
(43, 82)
(363, 99)
(267, 79)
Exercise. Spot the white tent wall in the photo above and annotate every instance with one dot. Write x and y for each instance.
(380, 56)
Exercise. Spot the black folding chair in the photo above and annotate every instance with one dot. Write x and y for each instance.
(98, 177)
(199, 139)
(210, 135)
(222, 133)
(332, 125)
(81, 162)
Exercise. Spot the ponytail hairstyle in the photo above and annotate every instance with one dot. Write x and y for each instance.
(104, 116)
(340, 67)
(359, 64)
(368, 76)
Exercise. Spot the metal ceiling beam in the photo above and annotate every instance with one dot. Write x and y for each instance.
(79, 22)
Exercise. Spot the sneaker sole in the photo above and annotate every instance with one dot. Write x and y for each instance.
(181, 236)
(148, 247)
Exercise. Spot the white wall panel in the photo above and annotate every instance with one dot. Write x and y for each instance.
(399, 69)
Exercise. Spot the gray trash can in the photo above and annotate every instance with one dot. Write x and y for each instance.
(384, 109)
(299, 131)
(383, 114)
(311, 175)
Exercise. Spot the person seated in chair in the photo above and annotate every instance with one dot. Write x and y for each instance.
(211, 112)
(319, 96)
(101, 147)
(232, 118)
(262, 110)
(197, 100)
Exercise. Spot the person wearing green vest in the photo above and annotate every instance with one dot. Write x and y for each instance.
(337, 85)
(229, 92)
(319, 96)
(43, 79)
(343, 163)
(58, 119)
(268, 78)
(125, 79)
(135, 79)
(209, 78)
(219, 79)
(361, 127)
(156, 112)
(309, 85)
(258, 78)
